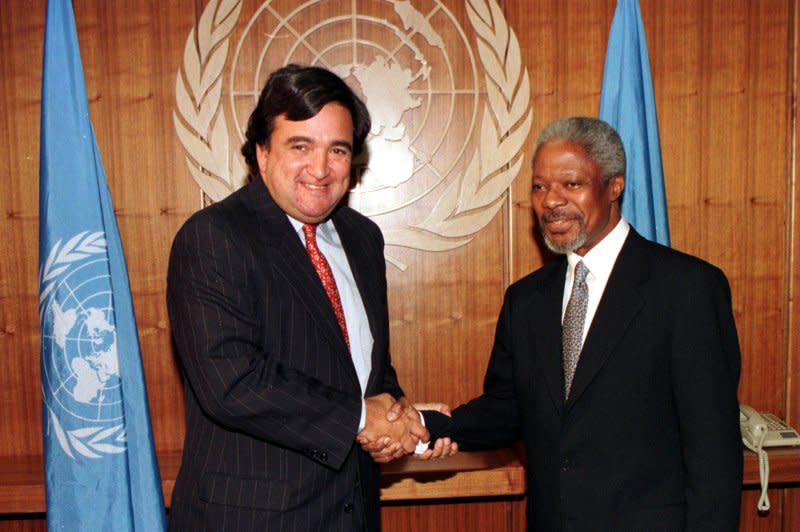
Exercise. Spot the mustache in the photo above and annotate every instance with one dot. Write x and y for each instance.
(560, 214)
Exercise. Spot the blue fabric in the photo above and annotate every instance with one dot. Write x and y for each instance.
(100, 467)
(628, 104)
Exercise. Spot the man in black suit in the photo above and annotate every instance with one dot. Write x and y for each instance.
(278, 305)
(641, 431)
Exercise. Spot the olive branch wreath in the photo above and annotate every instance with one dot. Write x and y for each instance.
(96, 441)
(91, 442)
(198, 94)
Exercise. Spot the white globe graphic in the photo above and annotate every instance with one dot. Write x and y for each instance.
(81, 377)
(402, 68)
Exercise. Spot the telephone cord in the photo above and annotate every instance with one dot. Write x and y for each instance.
(763, 465)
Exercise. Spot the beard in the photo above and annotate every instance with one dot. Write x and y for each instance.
(567, 246)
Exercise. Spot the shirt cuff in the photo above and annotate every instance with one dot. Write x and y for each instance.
(422, 446)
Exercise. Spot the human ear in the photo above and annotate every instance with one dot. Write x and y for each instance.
(616, 185)
(262, 154)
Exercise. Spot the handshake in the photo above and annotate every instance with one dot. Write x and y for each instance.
(394, 428)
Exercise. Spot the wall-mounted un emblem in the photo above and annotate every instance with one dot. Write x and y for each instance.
(449, 100)
(80, 362)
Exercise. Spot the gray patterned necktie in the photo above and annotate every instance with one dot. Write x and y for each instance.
(572, 329)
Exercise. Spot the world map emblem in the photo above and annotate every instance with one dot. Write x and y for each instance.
(80, 361)
(447, 93)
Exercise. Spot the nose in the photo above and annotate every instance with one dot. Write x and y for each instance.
(553, 198)
(318, 164)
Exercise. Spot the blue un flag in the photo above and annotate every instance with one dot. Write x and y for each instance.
(627, 103)
(100, 467)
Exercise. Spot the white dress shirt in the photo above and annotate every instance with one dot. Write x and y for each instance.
(600, 261)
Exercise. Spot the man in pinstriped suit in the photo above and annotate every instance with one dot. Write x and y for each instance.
(275, 385)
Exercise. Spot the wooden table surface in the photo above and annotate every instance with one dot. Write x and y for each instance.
(479, 474)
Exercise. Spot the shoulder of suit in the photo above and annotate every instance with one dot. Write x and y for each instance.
(219, 215)
(345, 212)
(542, 275)
(668, 262)
(348, 215)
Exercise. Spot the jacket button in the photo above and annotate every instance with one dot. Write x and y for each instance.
(348, 508)
(565, 464)
(323, 456)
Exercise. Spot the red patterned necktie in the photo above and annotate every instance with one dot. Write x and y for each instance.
(326, 276)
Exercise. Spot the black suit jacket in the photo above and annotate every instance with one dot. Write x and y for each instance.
(649, 437)
(272, 397)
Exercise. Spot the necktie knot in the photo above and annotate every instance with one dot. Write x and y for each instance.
(310, 232)
(581, 272)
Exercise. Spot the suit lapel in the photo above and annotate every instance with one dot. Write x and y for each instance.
(621, 301)
(546, 327)
(365, 278)
(289, 259)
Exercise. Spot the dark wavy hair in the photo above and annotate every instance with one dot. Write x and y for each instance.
(299, 93)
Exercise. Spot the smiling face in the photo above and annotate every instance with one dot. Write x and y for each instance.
(307, 164)
(573, 205)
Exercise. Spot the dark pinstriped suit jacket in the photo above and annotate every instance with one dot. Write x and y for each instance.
(272, 397)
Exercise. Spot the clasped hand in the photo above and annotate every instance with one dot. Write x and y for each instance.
(393, 429)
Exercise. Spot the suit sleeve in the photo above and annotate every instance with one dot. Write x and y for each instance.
(217, 333)
(390, 382)
(705, 363)
(491, 420)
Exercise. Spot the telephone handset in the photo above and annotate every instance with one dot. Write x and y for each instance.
(760, 431)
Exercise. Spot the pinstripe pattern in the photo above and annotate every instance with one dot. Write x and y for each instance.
(272, 397)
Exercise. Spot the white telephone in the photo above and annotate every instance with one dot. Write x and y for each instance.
(764, 430)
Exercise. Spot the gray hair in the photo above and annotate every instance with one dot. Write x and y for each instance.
(600, 140)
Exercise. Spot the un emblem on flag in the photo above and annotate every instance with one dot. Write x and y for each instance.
(80, 363)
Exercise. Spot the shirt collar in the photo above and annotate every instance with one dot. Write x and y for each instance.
(325, 230)
(601, 258)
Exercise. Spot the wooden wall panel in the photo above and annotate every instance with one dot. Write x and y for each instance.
(463, 516)
(443, 312)
(791, 516)
(725, 88)
(28, 525)
(21, 31)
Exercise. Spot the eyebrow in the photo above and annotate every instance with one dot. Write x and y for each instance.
(301, 138)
